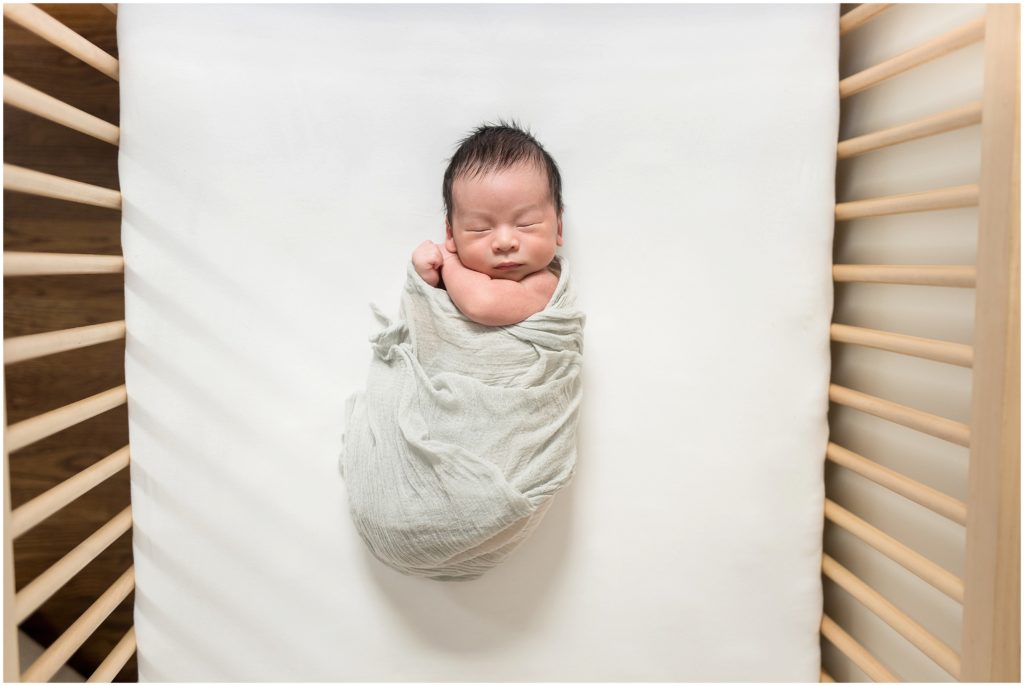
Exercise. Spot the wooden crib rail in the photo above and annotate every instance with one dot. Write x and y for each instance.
(940, 578)
(960, 37)
(989, 649)
(950, 275)
(934, 124)
(39, 427)
(18, 606)
(925, 422)
(42, 506)
(936, 501)
(991, 632)
(28, 600)
(922, 201)
(29, 99)
(47, 664)
(926, 642)
(860, 15)
(51, 263)
(857, 653)
(925, 348)
(46, 27)
(31, 346)
(34, 182)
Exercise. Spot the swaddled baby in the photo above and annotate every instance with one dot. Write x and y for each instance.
(503, 205)
(467, 427)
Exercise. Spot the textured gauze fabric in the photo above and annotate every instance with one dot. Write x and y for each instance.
(465, 432)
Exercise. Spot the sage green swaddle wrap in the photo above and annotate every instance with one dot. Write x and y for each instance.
(464, 433)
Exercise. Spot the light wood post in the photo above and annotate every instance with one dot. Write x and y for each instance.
(991, 627)
(11, 666)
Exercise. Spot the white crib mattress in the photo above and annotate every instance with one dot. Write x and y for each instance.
(280, 162)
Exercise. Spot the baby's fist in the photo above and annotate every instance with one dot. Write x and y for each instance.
(427, 259)
(427, 256)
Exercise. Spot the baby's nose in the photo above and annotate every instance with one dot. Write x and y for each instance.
(504, 237)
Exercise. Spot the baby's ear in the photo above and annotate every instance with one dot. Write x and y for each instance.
(449, 241)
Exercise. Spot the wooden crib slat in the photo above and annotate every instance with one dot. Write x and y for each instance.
(49, 29)
(45, 504)
(40, 589)
(950, 120)
(953, 275)
(924, 640)
(962, 36)
(50, 263)
(22, 180)
(933, 425)
(858, 654)
(860, 15)
(39, 427)
(27, 98)
(934, 500)
(927, 348)
(910, 559)
(43, 264)
(61, 650)
(33, 346)
(116, 660)
(924, 201)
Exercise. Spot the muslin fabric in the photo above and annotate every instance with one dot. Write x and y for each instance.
(465, 432)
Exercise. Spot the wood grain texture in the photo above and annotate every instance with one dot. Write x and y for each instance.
(991, 631)
(47, 303)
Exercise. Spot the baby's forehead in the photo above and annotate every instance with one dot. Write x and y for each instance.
(508, 190)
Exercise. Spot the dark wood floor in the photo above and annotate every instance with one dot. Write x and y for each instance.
(37, 304)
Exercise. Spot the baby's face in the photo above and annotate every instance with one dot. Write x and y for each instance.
(504, 216)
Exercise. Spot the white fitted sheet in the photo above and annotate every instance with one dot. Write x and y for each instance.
(279, 164)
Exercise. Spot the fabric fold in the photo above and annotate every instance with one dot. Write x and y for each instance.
(464, 433)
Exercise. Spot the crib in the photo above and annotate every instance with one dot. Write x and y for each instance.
(878, 621)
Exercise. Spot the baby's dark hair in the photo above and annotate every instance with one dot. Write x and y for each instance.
(494, 147)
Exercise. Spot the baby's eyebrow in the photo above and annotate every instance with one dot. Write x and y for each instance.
(517, 211)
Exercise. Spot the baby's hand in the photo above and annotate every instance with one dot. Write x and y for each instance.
(447, 255)
(427, 260)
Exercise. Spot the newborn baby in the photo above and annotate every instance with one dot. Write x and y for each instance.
(503, 222)
(466, 433)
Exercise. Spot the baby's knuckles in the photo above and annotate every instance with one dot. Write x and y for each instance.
(426, 256)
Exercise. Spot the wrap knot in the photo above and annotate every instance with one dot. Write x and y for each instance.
(393, 334)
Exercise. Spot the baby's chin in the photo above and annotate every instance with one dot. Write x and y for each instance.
(517, 274)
